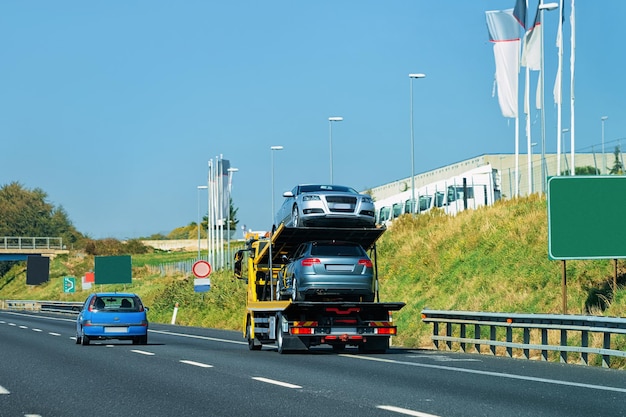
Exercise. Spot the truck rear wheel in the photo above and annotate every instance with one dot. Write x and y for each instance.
(280, 341)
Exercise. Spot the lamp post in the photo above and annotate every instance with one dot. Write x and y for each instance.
(230, 185)
(200, 187)
(603, 119)
(542, 7)
(330, 136)
(411, 77)
(270, 267)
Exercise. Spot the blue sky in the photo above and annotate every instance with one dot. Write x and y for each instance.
(114, 108)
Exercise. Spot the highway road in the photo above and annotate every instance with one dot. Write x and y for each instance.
(187, 371)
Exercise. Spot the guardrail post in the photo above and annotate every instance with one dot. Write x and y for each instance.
(606, 359)
(563, 353)
(477, 337)
(544, 342)
(449, 333)
(463, 337)
(526, 342)
(492, 337)
(436, 333)
(584, 343)
(509, 339)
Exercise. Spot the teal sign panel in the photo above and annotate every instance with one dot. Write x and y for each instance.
(69, 284)
(587, 217)
(113, 270)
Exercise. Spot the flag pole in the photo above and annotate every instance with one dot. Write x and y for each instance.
(571, 63)
(557, 92)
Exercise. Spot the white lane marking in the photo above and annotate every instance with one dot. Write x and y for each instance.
(3, 322)
(201, 365)
(12, 324)
(23, 327)
(192, 336)
(58, 334)
(404, 411)
(3, 390)
(442, 358)
(32, 415)
(493, 374)
(273, 381)
(142, 352)
(37, 330)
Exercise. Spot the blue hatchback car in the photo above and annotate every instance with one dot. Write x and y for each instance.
(119, 316)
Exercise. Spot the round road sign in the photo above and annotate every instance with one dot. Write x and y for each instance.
(201, 269)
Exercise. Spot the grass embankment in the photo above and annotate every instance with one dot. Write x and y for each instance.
(493, 259)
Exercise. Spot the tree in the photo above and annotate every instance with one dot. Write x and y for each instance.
(588, 170)
(618, 167)
(233, 218)
(27, 213)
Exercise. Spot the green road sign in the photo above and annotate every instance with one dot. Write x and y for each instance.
(587, 217)
(69, 284)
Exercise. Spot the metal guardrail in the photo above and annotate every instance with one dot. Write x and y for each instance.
(499, 323)
(19, 242)
(72, 307)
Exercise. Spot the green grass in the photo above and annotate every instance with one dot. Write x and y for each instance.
(493, 259)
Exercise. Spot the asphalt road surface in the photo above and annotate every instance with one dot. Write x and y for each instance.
(186, 371)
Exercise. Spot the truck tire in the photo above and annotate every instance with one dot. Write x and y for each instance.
(280, 341)
(251, 344)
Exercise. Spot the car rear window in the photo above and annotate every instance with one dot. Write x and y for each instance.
(336, 250)
(118, 303)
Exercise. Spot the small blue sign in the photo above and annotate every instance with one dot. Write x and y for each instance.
(202, 284)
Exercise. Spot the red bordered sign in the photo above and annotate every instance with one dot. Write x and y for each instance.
(201, 269)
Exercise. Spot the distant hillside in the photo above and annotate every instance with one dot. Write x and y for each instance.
(491, 259)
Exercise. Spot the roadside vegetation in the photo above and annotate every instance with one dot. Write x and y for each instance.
(492, 259)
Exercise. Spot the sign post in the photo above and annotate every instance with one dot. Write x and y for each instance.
(201, 270)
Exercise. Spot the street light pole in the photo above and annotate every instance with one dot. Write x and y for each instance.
(542, 7)
(411, 77)
(230, 185)
(603, 119)
(200, 187)
(330, 136)
(270, 266)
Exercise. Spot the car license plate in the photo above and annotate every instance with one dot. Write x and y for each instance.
(341, 206)
(339, 268)
(116, 329)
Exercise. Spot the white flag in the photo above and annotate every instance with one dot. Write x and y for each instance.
(504, 34)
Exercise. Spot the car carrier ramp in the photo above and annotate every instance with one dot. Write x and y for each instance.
(287, 239)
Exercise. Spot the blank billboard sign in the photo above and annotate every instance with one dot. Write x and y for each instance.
(586, 217)
(113, 270)
(37, 270)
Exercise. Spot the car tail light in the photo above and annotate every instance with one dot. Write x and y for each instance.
(365, 262)
(310, 261)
